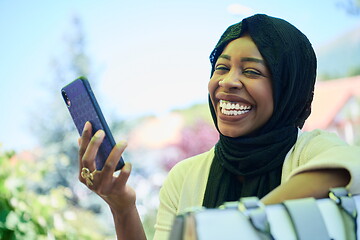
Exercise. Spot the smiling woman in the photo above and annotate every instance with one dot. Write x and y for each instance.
(241, 78)
(260, 93)
(260, 70)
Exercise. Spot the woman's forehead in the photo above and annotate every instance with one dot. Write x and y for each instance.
(244, 49)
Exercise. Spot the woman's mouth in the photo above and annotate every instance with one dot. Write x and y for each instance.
(233, 108)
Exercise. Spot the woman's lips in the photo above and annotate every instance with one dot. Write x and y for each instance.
(232, 98)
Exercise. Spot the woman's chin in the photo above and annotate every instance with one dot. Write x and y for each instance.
(229, 131)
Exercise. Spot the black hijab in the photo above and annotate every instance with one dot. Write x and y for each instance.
(258, 158)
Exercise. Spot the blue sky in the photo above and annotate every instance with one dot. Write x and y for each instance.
(150, 56)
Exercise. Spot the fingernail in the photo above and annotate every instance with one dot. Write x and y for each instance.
(121, 144)
(100, 134)
(127, 167)
(86, 126)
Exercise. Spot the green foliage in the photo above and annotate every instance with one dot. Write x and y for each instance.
(354, 71)
(25, 214)
(195, 113)
(327, 76)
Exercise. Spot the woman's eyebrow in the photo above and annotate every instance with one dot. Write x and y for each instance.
(250, 59)
(227, 57)
(244, 59)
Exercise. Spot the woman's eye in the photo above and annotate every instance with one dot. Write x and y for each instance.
(221, 68)
(251, 73)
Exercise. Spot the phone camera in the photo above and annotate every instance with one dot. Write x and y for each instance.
(66, 99)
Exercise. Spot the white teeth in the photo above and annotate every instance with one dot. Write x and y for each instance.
(233, 112)
(233, 108)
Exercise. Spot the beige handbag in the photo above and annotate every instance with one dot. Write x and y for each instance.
(304, 219)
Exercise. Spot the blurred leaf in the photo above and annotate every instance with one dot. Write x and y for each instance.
(26, 214)
(11, 221)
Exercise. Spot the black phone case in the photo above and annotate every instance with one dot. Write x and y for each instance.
(83, 107)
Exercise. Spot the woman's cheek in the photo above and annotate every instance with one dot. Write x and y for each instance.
(212, 86)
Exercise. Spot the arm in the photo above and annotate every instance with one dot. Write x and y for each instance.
(315, 183)
(128, 226)
(121, 200)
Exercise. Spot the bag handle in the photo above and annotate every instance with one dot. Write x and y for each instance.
(346, 203)
(254, 209)
(307, 219)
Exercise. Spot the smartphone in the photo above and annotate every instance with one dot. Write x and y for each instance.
(82, 105)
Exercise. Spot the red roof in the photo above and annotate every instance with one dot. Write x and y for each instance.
(329, 98)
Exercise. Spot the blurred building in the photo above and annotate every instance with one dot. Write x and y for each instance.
(336, 108)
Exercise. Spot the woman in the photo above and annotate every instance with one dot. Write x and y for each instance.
(260, 92)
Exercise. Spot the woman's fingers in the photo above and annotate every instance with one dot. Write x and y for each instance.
(124, 175)
(103, 181)
(111, 162)
(88, 159)
(84, 142)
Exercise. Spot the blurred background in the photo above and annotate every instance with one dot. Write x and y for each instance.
(148, 64)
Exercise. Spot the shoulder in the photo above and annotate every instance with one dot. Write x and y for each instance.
(318, 144)
(319, 149)
(183, 188)
(322, 144)
(189, 165)
(183, 180)
(320, 138)
(312, 143)
(187, 178)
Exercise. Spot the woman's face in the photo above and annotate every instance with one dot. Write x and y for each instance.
(240, 89)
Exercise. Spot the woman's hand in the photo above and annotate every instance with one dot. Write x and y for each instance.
(113, 190)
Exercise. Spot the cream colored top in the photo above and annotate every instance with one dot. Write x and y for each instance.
(185, 185)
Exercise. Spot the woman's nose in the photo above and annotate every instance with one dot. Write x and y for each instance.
(231, 81)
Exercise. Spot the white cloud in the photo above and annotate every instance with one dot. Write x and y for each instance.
(238, 9)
